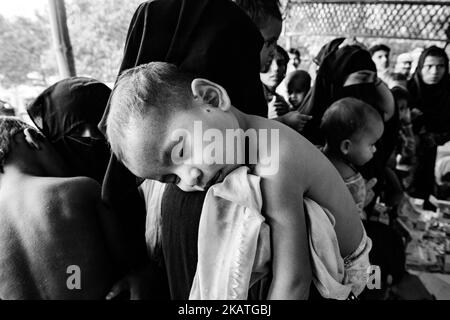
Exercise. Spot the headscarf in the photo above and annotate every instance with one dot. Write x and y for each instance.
(213, 39)
(328, 48)
(65, 108)
(328, 86)
(432, 100)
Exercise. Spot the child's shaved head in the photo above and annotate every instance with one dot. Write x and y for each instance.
(153, 90)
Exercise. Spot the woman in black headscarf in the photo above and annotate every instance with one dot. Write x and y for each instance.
(338, 78)
(67, 113)
(213, 39)
(430, 91)
(350, 72)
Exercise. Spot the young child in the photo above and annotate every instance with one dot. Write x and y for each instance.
(298, 84)
(351, 127)
(52, 226)
(153, 103)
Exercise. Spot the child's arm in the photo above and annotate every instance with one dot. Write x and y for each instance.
(283, 208)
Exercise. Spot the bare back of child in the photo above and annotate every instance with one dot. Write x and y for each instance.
(51, 238)
(49, 233)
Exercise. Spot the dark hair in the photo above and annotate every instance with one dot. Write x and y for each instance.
(299, 78)
(345, 118)
(379, 47)
(9, 127)
(260, 10)
(294, 51)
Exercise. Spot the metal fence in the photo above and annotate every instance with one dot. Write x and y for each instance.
(414, 20)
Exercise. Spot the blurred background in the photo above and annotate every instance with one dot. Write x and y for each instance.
(95, 34)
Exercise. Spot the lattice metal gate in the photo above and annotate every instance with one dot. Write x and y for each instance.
(414, 20)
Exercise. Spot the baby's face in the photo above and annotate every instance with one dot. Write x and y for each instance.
(184, 151)
(296, 98)
(362, 146)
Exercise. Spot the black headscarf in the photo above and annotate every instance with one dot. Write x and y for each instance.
(328, 48)
(328, 86)
(62, 110)
(213, 39)
(432, 100)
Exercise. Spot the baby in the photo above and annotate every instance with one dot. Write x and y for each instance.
(351, 128)
(298, 84)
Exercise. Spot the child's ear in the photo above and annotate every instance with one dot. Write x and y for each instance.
(345, 146)
(33, 138)
(211, 93)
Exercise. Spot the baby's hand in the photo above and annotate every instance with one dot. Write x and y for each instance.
(369, 192)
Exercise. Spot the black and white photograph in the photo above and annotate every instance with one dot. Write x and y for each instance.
(213, 156)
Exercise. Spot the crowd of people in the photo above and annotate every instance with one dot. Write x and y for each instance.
(115, 183)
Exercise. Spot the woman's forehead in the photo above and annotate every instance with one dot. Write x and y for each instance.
(433, 60)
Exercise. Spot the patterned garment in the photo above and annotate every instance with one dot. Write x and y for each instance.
(357, 187)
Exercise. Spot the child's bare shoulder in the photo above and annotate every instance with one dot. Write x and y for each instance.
(294, 156)
(71, 186)
(68, 194)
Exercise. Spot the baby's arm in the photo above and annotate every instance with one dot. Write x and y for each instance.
(283, 208)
